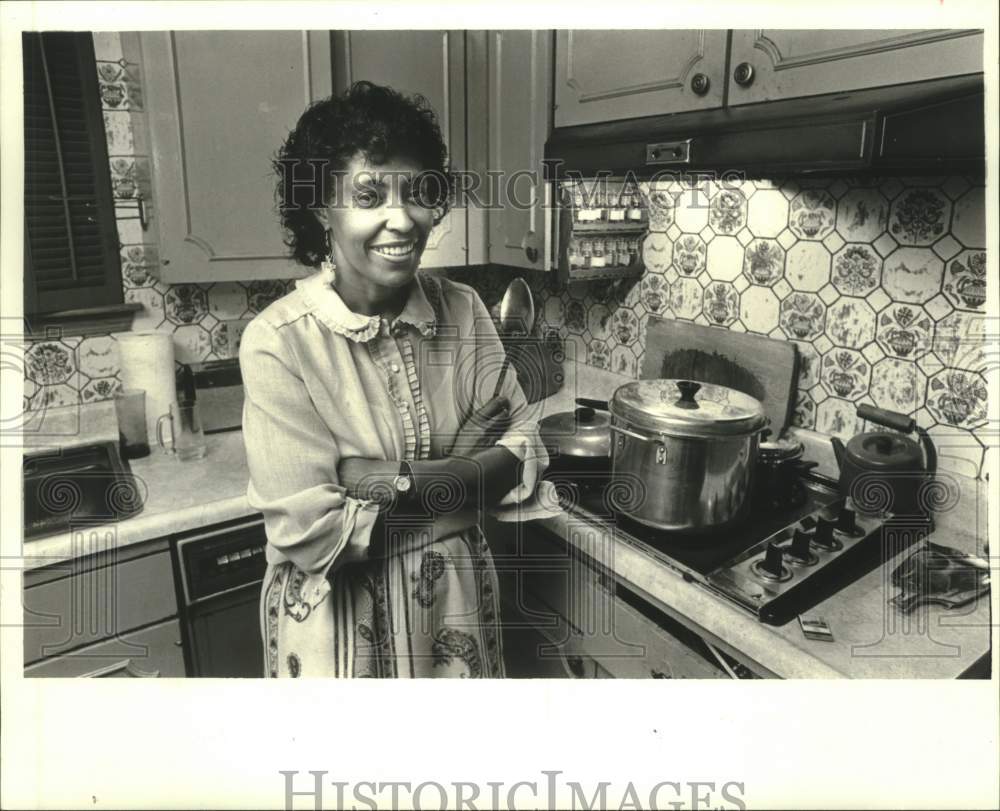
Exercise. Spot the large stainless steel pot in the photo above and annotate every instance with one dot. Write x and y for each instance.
(683, 453)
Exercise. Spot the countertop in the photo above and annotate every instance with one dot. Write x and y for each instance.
(184, 496)
(871, 640)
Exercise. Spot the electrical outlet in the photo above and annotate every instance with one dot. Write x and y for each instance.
(234, 334)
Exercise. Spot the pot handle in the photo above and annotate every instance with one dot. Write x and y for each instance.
(629, 432)
(597, 405)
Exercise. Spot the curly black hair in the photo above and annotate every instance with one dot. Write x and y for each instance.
(379, 123)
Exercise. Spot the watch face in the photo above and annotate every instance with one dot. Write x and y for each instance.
(403, 484)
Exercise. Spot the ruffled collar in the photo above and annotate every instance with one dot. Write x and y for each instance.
(330, 308)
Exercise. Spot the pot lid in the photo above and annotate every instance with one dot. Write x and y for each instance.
(885, 451)
(780, 450)
(687, 408)
(583, 433)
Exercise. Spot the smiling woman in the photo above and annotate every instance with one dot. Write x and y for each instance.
(372, 451)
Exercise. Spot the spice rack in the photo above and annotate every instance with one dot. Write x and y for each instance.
(602, 223)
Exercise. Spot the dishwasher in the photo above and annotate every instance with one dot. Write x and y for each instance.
(219, 572)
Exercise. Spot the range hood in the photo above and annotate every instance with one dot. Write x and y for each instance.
(920, 128)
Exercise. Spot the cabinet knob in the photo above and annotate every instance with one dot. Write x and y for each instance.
(744, 74)
(700, 83)
(575, 664)
(529, 247)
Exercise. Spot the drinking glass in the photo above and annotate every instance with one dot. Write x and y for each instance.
(186, 437)
(130, 407)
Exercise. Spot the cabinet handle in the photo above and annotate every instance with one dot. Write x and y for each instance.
(744, 74)
(700, 84)
(127, 665)
(531, 253)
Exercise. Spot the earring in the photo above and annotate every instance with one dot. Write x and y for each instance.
(328, 265)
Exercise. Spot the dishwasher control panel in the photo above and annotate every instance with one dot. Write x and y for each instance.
(221, 561)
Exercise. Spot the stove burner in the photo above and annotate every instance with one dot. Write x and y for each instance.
(778, 483)
(799, 551)
(758, 568)
(825, 534)
(796, 543)
(770, 567)
(798, 559)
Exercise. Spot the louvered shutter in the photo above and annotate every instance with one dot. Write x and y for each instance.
(71, 243)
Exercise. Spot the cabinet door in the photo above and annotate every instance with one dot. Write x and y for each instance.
(101, 602)
(219, 105)
(431, 63)
(608, 75)
(153, 652)
(792, 63)
(519, 80)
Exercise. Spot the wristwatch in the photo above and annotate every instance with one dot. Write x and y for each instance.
(403, 483)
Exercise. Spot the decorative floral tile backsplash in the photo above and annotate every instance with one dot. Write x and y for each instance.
(880, 282)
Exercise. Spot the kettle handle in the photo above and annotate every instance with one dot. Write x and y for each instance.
(887, 419)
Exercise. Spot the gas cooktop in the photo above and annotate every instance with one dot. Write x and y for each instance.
(785, 556)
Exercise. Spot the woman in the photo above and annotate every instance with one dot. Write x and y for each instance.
(372, 448)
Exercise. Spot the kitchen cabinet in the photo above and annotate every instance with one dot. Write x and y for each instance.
(609, 75)
(591, 625)
(218, 106)
(95, 615)
(604, 76)
(151, 653)
(433, 64)
(518, 112)
(779, 64)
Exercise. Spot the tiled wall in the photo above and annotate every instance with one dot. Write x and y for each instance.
(881, 282)
(71, 370)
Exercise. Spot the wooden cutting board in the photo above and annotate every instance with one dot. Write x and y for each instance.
(764, 368)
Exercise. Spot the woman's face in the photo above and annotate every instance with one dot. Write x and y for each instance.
(379, 228)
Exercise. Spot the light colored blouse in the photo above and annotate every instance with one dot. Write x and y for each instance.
(323, 382)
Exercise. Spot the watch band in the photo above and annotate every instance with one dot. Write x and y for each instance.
(404, 483)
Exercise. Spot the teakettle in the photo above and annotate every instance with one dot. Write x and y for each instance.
(888, 471)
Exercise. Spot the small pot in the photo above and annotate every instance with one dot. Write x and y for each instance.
(578, 440)
(684, 453)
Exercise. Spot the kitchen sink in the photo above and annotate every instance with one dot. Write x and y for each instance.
(87, 484)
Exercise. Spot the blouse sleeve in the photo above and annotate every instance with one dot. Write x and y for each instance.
(522, 437)
(293, 457)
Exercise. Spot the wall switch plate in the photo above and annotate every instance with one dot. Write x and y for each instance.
(234, 334)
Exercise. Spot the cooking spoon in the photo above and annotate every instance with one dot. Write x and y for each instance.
(517, 319)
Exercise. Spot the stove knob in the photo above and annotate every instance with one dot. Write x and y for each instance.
(824, 533)
(772, 560)
(800, 545)
(845, 520)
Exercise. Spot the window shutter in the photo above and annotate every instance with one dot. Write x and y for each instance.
(71, 243)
